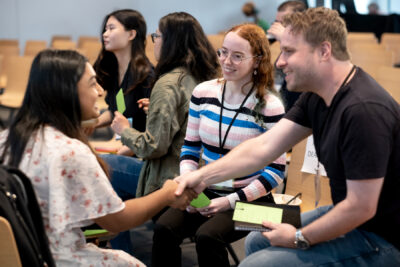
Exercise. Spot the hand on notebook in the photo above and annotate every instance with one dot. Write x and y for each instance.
(120, 123)
(281, 234)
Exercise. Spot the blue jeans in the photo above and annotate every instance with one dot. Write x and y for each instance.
(356, 248)
(124, 172)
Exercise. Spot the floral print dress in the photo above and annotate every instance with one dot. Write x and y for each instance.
(72, 190)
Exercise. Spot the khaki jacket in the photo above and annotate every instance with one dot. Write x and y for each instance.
(160, 145)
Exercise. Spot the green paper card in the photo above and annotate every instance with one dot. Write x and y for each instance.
(250, 213)
(120, 101)
(201, 201)
(91, 232)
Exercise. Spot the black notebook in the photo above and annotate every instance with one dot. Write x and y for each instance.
(248, 216)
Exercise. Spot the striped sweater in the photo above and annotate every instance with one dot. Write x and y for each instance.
(202, 137)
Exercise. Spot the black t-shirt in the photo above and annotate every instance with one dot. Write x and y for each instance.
(358, 137)
(132, 110)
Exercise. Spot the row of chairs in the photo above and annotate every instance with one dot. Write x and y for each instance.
(88, 45)
(57, 41)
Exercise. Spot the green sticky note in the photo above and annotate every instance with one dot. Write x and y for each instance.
(252, 213)
(120, 101)
(91, 232)
(201, 201)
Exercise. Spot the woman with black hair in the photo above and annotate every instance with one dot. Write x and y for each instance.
(123, 64)
(46, 141)
(185, 58)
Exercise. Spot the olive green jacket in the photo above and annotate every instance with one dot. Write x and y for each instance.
(160, 145)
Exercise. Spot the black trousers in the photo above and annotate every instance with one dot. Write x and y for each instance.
(210, 234)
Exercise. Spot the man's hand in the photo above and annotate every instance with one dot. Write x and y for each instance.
(144, 104)
(217, 205)
(276, 30)
(281, 234)
(120, 123)
(190, 180)
(181, 201)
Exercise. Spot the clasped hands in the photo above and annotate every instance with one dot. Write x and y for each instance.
(281, 234)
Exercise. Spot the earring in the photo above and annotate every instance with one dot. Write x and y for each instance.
(255, 72)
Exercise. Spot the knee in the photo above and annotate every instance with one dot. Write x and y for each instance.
(202, 238)
(162, 233)
(255, 241)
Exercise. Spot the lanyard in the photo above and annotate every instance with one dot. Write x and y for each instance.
(347, 77)
(317, 181)
(222, 142)
(330, 108)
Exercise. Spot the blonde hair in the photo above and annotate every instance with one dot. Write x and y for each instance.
(318, 25)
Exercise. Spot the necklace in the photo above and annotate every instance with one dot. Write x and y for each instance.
(222, 141)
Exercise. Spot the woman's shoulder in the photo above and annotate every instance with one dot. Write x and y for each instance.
(174, 78)
(172, 74)
(56, 140)
(274, 104)
(207, 88)
(273, 99)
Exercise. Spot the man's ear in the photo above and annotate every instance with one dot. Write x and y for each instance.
(132, 35)
(325, 50)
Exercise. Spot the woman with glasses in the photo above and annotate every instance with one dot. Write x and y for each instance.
(223, 113)
(185, 58)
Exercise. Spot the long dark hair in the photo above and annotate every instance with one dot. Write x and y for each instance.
(184, 44)
(51, 98)
(106, 64)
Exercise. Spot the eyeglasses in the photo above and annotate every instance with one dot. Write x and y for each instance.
(154, 36)
(236, 58)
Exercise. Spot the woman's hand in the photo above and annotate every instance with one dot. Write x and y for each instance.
(120, 123)
(144, 104)
(88, 130)
(218, 204)
(125, 151)
(191, 209)
(177, 202)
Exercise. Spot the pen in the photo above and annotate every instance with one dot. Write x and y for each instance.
(293, 198)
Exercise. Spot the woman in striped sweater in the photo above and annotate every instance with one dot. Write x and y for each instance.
(223, 113)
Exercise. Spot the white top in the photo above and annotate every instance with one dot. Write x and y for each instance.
(72, 190)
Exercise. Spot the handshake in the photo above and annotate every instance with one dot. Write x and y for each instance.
(182, 190)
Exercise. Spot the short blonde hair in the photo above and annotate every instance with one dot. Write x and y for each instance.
(318, 25)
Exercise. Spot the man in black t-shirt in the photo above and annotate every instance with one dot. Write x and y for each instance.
(356, 128)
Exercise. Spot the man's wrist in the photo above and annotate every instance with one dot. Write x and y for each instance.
(300, 241)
